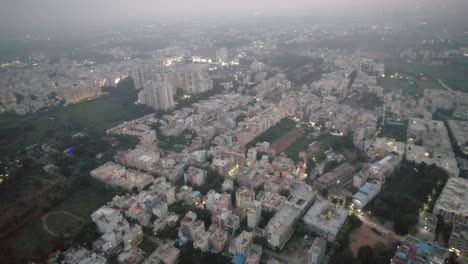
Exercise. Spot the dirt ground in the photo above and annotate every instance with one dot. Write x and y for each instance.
(282, 143)
(364, 236)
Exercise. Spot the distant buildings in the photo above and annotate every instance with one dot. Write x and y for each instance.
(190, 78)
(325, 219)
(222, 55)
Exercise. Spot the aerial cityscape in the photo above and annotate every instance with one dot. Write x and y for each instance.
(243, 132)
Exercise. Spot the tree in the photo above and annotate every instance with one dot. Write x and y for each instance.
(366, 255)
(354, 221)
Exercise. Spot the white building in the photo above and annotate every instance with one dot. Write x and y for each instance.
(195, 176)
(244, 242)
(281, 227)
(325, 219)
(254, 214)
(316, 253)
(452, 203)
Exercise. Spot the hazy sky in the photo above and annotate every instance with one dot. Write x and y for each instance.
(53, 13)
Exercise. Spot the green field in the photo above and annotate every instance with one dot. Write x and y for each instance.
(33, 242)
(62, 223)
(282, 127)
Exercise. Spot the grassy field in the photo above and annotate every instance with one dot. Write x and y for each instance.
(84, 201)
(62, 223)
(282, 127)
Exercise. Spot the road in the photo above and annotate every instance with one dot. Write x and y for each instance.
(444, 85)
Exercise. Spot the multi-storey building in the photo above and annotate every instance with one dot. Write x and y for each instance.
(452, 203)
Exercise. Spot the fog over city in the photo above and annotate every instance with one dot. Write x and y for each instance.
(55, 14)
(242, 132)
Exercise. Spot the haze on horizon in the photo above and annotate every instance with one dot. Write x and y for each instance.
(53, 14)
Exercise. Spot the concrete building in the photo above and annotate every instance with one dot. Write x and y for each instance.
(195, 176)
(244, 198)
(366, 193)
(131, 255)
(316, 253)
(166, 254)
(459, 238)
(337, 176)
(452, 203)
(244, 242)
(254, 214)
(217, 202)
(157, 94)
(227, 220)
(190, 227)
(134, 236)
(222, 55)
(190, 78)
(413, 250)
(281, 227)
(325, 219)
(117, 175)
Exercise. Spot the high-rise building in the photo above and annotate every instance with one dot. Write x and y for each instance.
(222, 54)
(190, 78)
(254, 214)
(157, 94)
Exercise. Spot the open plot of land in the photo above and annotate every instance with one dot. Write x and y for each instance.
(282, 127)
(85, 201)
(61, 222)
(32, 241)
(282, 143)
(364, 236)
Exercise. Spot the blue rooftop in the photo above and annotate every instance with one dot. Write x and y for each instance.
(360, 196)
(238, 259)
(194, 194)
(423, 247)
(183, 240)
(365, 188)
